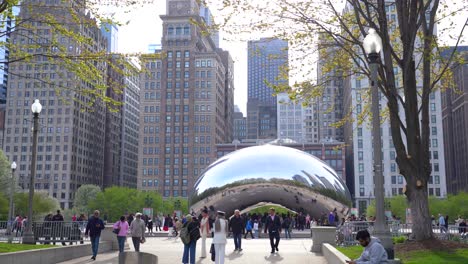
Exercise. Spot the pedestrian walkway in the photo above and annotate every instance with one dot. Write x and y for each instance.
(255, 251)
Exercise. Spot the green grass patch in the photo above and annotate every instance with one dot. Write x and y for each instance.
(352, 252)
(6, 248)
(435, 257)
(416, 257)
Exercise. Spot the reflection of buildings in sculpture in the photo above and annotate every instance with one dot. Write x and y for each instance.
(273, 174)
(330, 153)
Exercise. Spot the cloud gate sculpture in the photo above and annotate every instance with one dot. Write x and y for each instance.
(253, 176)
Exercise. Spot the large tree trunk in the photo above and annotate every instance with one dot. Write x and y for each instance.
(419, 204)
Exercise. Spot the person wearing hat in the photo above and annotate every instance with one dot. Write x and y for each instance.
(137, 229)
(221, 228)
(189, 249)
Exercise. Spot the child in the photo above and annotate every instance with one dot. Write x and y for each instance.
(255, 228)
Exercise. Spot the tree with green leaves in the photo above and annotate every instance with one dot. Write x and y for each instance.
(42, 204)
(83, 197)
(409, 44)
(5, 174)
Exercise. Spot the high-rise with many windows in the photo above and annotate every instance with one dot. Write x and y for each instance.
(71, 135)
(267, 64)
(183, 103)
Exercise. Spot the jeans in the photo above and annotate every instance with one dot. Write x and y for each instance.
(287, 233)
(237, 240)
(189, 249)
(95, 245)
(247, 232)
(136, 243)
(256, 233)
(121, 240)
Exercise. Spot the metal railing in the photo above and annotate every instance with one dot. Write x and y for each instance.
(346, 233)
(46, 232)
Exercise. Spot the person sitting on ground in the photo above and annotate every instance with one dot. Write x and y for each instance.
(374, 252)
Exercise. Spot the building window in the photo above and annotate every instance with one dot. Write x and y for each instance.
(361, 179)
(361, 167)
(361, 191)
(437, 192)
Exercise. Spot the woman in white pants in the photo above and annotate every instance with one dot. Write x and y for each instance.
(219, 237)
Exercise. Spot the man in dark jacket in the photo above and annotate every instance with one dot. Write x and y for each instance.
(93, 228)
(236, 226)
(58, 227)
(273, 225)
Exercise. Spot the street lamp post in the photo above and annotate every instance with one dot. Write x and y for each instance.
(28, 237)
(372, 45)
(10, 208)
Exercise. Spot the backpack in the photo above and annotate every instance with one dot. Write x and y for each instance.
(185, 235)
(195, 233)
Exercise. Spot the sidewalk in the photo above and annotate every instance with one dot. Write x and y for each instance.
(255, 251)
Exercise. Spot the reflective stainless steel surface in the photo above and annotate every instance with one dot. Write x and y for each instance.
(272, 174)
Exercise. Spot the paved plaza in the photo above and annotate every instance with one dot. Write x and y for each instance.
(256, 251)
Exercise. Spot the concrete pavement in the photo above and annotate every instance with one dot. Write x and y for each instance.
(255, 251)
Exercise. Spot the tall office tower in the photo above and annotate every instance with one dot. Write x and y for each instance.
(267, 58)
(360, 134)
(228, 95)
(240, 125)
(455, 122)
(122, 124)
(205, 13)
(111, 33)
(189, 115)
(6, 26)
(328, 109)
(71, 136)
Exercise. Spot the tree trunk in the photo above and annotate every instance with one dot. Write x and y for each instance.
(419, 204)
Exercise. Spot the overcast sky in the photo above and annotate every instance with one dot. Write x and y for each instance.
(145, 27)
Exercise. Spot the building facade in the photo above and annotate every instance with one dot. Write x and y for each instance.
(111, 33)
(240, 125)
(267, 61)
(184, 104)
(455, 123)
(71, 135)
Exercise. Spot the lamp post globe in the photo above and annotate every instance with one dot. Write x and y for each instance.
(13, 165)
(372, 42)
(36, 107)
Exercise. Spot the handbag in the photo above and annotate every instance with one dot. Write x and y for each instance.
(116, 230)
(213, 253)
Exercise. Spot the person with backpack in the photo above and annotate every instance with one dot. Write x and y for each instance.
(189, 235)
(285, 225)
(122, 227)
(221, 228)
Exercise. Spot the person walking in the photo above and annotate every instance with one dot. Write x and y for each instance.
(442, 224)
(219, 237)
(255, 228)
(150, 226)
(285, 225)
(248, 228)
(137, 229)
(236, 225)
(157, 222)
(189, 249)
(273, 225)
(123, 227)
(205, 231)
(93, 228)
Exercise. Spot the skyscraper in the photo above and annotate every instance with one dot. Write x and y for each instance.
(267, 62)
(111, 33)
(455, 123)
(240, 125)
(71, 136)
(184, 103)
